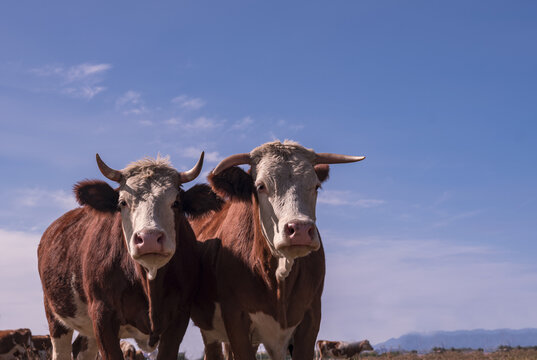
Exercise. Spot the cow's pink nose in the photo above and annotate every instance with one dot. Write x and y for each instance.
(300, 233)
(149, 241)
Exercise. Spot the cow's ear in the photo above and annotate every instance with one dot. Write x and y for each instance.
(96, 194)
(232, 183)
(322, 171)
(199, 200)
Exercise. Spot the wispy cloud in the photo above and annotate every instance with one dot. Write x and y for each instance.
(131, 103)
(80, 81)
(447, 220)
(146, 122)
(85, 92)
(243, 123)
(36, 197)
(194, 153)
(188, 103)
(288, 125)
(85, 71)
(200, 123)
(334, 197)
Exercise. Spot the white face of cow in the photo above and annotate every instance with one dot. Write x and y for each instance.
(286, 185)
(148, 218)
(148, 200)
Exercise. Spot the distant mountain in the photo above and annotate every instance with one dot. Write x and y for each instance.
(485, 339)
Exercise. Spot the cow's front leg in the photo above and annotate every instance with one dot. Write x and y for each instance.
(213, 351)
(306, 333)
(85, 348)
(106, 328)
(237, 325)
(171, 338)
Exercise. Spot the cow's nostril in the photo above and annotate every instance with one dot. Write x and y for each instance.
(138, 239)
(310, 232)
(160, 239)
(291, 230)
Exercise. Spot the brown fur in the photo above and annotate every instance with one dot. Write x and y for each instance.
(322, 171)
(232, 184)
(96, 194)
(79, 345)
(238, 271)
(9, 339)
(343, 350)
(85, 250)
(200, 199)
(41, 347)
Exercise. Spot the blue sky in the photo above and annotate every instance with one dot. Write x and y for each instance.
(435, 230)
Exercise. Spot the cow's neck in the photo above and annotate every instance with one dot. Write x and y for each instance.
(279, 272)
(279, 267)
(154, 292)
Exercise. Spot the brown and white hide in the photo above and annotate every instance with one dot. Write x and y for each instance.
(124, 265)
(341, 349)
(15, 344)
(42, 346)
(262, 258)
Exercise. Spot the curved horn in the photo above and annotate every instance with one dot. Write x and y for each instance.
(329, 158)
(237, 159)
(114, 175)
(193, 173)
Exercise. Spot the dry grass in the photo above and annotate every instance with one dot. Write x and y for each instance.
(505, 354)
(510, 354)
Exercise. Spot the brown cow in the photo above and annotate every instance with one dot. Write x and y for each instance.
(14, 344)
(341, 349)
(42, 346)
(124, 265)
(262, 260)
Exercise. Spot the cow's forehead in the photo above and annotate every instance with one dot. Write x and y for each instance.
(150, 176)
(282, 151)
(154, 186)
(282, 159)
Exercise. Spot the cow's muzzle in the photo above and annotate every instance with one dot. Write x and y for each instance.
(150, 241)
(299, 233)
(299, 239)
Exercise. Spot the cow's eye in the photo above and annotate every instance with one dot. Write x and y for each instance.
(175, 204)
(121, 205)
(261, 187)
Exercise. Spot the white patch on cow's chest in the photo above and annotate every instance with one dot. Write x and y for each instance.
(267, 331)
(263, 330)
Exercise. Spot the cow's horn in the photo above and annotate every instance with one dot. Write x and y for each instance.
(114, 175)
(193, 173)
(329, 158)
(237, 159)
